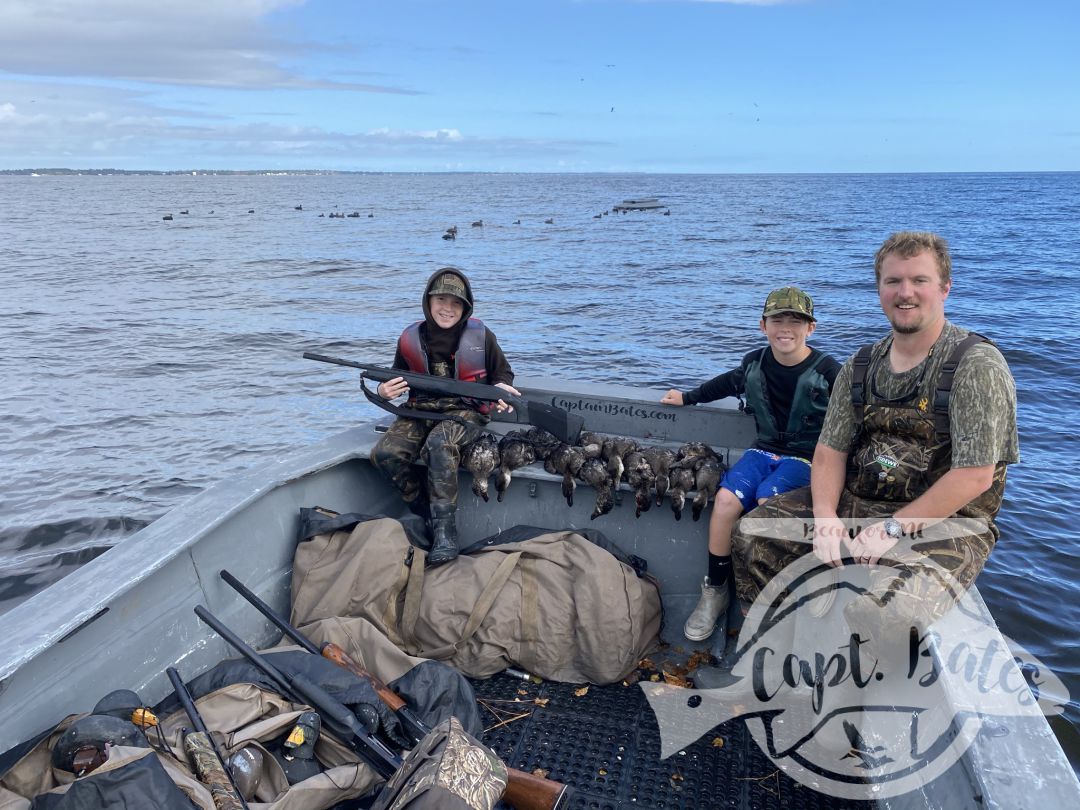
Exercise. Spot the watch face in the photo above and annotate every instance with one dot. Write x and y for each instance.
(893, 528)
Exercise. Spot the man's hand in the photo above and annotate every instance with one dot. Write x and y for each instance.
(828, 534)
(672, 397)
(869, 544)
(501, 406)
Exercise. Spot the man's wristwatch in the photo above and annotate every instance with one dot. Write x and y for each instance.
(893, 528)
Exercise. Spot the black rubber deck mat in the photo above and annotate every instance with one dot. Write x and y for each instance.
(605, 745)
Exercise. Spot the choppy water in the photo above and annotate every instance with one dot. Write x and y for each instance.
(143, 360)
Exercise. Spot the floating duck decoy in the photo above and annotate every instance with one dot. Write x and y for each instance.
(478, 224)
(299, 208)
(370, 215)
(184, 211)
(480, 458)
(517, 221)
(251, 210)
(449, 235)
(596, 216)
(354, 214)
(322, 215)
(550, 221)
(515, 450)
(167, 217)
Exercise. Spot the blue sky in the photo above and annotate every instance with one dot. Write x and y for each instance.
(519, 85)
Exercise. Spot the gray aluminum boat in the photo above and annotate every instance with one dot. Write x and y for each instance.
(120, 620)
(639, 204)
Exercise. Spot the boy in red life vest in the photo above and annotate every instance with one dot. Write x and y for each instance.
(447, 343)
(787, 386)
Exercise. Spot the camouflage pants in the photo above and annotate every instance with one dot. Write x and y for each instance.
(910, 591)
(437, 443)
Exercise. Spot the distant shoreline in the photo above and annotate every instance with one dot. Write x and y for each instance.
(61, 172)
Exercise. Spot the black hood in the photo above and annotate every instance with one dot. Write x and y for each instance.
(468, 299)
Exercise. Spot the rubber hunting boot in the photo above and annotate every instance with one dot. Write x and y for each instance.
(714, 602)
(444, 545)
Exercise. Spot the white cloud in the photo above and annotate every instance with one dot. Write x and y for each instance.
(205, 43)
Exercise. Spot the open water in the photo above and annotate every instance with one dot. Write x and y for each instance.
(143, 360)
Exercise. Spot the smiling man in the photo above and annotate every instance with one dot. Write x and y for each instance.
(920, 428)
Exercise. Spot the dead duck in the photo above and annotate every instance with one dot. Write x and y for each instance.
(566, 460)
(706, 480)
(681, 482)
(480, 458)
(692, 454)
(613, 451)
(515, 450)
(660, 459)
(641, 478)
(543, 442)
(594, 473)
(591, 443)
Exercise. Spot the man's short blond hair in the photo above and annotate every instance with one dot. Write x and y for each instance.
(908, 244)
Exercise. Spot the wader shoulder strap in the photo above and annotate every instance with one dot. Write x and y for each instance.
(945, 382)
(859, 367)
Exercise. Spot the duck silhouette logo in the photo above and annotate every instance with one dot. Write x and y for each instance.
(865, 682)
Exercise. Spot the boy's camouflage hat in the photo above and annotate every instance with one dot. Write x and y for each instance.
(449, 284)
(789, 299)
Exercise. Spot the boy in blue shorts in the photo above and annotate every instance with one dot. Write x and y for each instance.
(786, 386)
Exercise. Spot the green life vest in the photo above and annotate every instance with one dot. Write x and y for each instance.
(808, 407)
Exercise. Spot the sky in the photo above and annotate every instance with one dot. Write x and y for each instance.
(541, 85)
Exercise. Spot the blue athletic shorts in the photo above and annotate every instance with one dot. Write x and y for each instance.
(759, 474)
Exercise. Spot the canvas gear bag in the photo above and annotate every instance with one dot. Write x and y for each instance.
(556, 603)
(131, 777)
(240, 715)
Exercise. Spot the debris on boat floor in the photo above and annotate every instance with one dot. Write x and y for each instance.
(604, 743)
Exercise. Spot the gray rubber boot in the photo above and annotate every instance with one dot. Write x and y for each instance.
(444, 547)
(713, 603)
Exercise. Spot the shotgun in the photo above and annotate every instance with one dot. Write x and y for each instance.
(565, 426)
(209, 763)
(524, 791)
(301, 689)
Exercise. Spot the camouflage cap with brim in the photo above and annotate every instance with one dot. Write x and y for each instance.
(449, 284)
(788, 299)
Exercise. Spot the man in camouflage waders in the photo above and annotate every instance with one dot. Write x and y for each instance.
(447, 343)
(920, 428)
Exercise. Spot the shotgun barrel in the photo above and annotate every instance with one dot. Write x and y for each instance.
(335, 715)
(209, 763)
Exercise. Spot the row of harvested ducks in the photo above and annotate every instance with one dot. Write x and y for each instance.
(601, 462)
